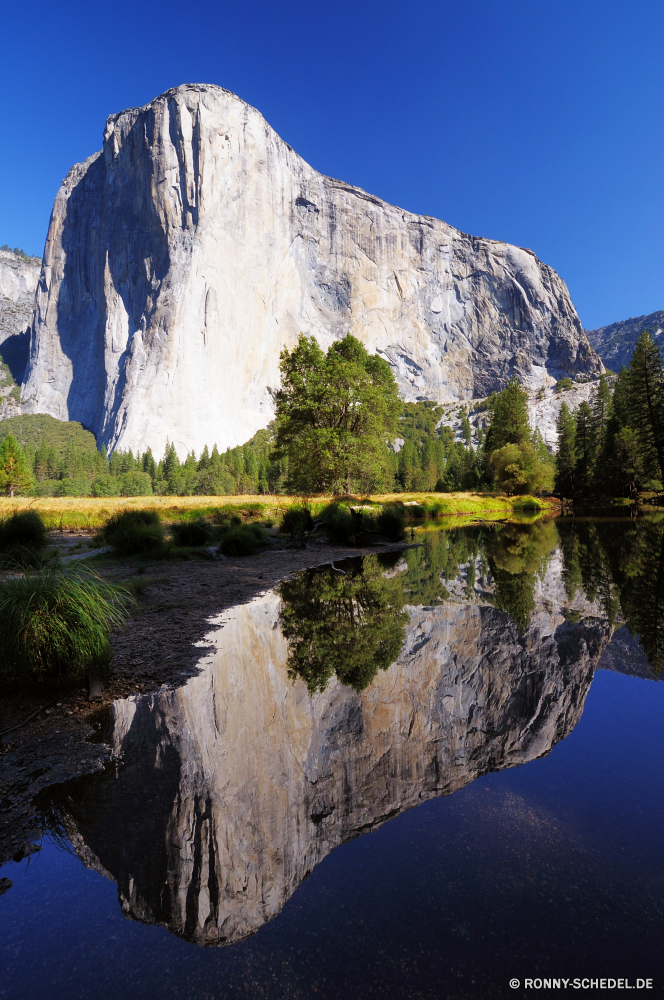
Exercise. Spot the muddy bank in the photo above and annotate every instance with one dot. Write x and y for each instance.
(156, 647)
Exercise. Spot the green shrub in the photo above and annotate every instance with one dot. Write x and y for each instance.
(528, 503)
(225, 518)
(297, 518)
(339, 523)
(106, 486)
(192, 533)
(242, 541)
(563, 384)
(54, 626)
(415, 510)
(133, 531)
(25, 530)
(391, 522)
(135, 484)
(79, 486)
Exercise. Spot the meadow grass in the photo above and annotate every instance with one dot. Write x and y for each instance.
(90, 513)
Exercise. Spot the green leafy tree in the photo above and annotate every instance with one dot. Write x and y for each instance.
(566, 456)
(335, 413)
(514, 459)
(517, 468)
(15, 476)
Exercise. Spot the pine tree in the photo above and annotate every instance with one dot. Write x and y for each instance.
(584, 448)
(645, 403)
(14, 469)
(509, 420)
(602, 408)
(566, 457)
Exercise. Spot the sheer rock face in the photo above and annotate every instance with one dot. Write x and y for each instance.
(236, 785)
(197, 244)
(18, 281)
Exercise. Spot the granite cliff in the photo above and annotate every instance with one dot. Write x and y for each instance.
(18, 280)
(615, 343)
(197, 244)
(231, 789)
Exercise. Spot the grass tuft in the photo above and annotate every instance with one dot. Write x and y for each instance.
(243, 540)
(55, 625)
(192, 533)
(339, 523)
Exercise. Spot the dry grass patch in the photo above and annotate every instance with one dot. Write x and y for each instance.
(90, 513)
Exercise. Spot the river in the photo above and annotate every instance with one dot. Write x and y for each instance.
(422, 774)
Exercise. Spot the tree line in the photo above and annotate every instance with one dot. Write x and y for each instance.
(341, 427)
(614, 445)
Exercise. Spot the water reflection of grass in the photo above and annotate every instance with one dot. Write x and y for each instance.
(351, 624)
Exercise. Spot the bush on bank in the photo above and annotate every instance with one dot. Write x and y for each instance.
(22, 538)
(132, 532)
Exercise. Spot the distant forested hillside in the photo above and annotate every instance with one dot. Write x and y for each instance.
(615, 343)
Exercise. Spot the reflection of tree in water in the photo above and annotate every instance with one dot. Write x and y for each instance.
(641, 584)
(622, 564)
(350, 624)
(518, 554)
(439, 559)
(515, 554)
(586, 564)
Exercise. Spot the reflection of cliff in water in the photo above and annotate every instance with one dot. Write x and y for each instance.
(231, 789)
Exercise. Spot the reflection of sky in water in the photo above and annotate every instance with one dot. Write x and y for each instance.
(550, 869)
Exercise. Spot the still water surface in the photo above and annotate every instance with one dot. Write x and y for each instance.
(421, 777)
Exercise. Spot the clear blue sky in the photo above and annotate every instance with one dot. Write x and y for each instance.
(537, 122)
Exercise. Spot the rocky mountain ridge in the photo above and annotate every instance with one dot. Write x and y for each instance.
(615, 343)
(197, 244)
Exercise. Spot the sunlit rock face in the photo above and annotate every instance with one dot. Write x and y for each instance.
(197, 244)
(234, 787)
(18, 280)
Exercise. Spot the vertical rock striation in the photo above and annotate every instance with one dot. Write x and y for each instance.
(197, 244)
(18, 280)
